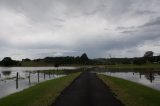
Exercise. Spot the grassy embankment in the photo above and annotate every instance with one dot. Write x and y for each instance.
(41, 94)
(130, 93)
(132, 66)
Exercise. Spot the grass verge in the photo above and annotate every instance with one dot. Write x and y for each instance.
(130, 93)
(42, 94)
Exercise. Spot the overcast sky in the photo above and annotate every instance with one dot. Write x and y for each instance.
(40, 28)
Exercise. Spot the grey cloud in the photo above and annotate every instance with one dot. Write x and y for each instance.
(144, 12)
(124, 28)
(68, 25)
(154, 22)
(129, 31)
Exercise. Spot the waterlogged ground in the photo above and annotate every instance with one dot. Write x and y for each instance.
(8, 78)
(147, 78)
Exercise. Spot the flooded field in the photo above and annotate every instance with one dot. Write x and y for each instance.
(147, 78)
(27, 77)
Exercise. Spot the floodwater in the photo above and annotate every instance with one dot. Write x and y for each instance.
(8, 83)
(148, 78)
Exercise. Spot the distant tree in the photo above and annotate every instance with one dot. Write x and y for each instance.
(84, 59)
(77, 60)
(148, 54)
(37, 60)
(7, 61)
(56, 65)
(26, 59)
(139, 61)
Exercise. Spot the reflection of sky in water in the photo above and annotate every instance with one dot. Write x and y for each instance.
(22, 70)
(8, 80)
(9, 86)
(149, 79)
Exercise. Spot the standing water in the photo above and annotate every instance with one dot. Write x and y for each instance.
(8, 80)
(147, 78)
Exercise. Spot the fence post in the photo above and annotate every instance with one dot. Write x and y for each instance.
(53, 73)
(17, 81)
(38, 76)
(49, 74)
(29, 78)
(44, 75)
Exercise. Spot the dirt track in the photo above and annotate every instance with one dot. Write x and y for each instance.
(87, 90)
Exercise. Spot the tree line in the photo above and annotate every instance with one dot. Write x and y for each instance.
(147, 58)
(57, 61)
(84, 60)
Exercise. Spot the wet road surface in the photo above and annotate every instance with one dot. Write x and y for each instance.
(87, 90)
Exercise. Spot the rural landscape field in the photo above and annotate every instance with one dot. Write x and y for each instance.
(79, 52)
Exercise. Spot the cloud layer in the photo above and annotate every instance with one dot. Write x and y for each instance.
(39, 28)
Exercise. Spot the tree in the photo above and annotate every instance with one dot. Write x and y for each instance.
(148, 54)
(84, 59)
(7, 61)
(26, 59)
(56, 65)
(139, 61)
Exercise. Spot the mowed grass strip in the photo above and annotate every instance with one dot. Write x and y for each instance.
(130, 93)
(42, 94)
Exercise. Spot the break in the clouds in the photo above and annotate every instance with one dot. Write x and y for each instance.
(40, 28)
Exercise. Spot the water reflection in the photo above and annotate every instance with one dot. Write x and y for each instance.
(10, 82)
(6, 73)
(150, 78)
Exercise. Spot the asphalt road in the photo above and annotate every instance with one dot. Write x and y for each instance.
(87, 90)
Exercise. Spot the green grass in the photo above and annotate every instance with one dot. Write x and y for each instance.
(130, 93)
(42, 64)
(132, 66)
(36, 64)
(42, 94)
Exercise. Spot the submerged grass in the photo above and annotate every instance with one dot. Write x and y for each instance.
(42, 94)
(53, 71)
(133, 66)
(131, 93)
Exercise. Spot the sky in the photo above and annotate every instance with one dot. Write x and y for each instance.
(100, 28)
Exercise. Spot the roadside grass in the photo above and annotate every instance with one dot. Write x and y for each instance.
(132, 66)
(42, 94)
(131, 93)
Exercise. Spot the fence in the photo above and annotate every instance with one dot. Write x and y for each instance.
(29, 77)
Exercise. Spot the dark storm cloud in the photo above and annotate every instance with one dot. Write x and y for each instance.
(39, 28)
